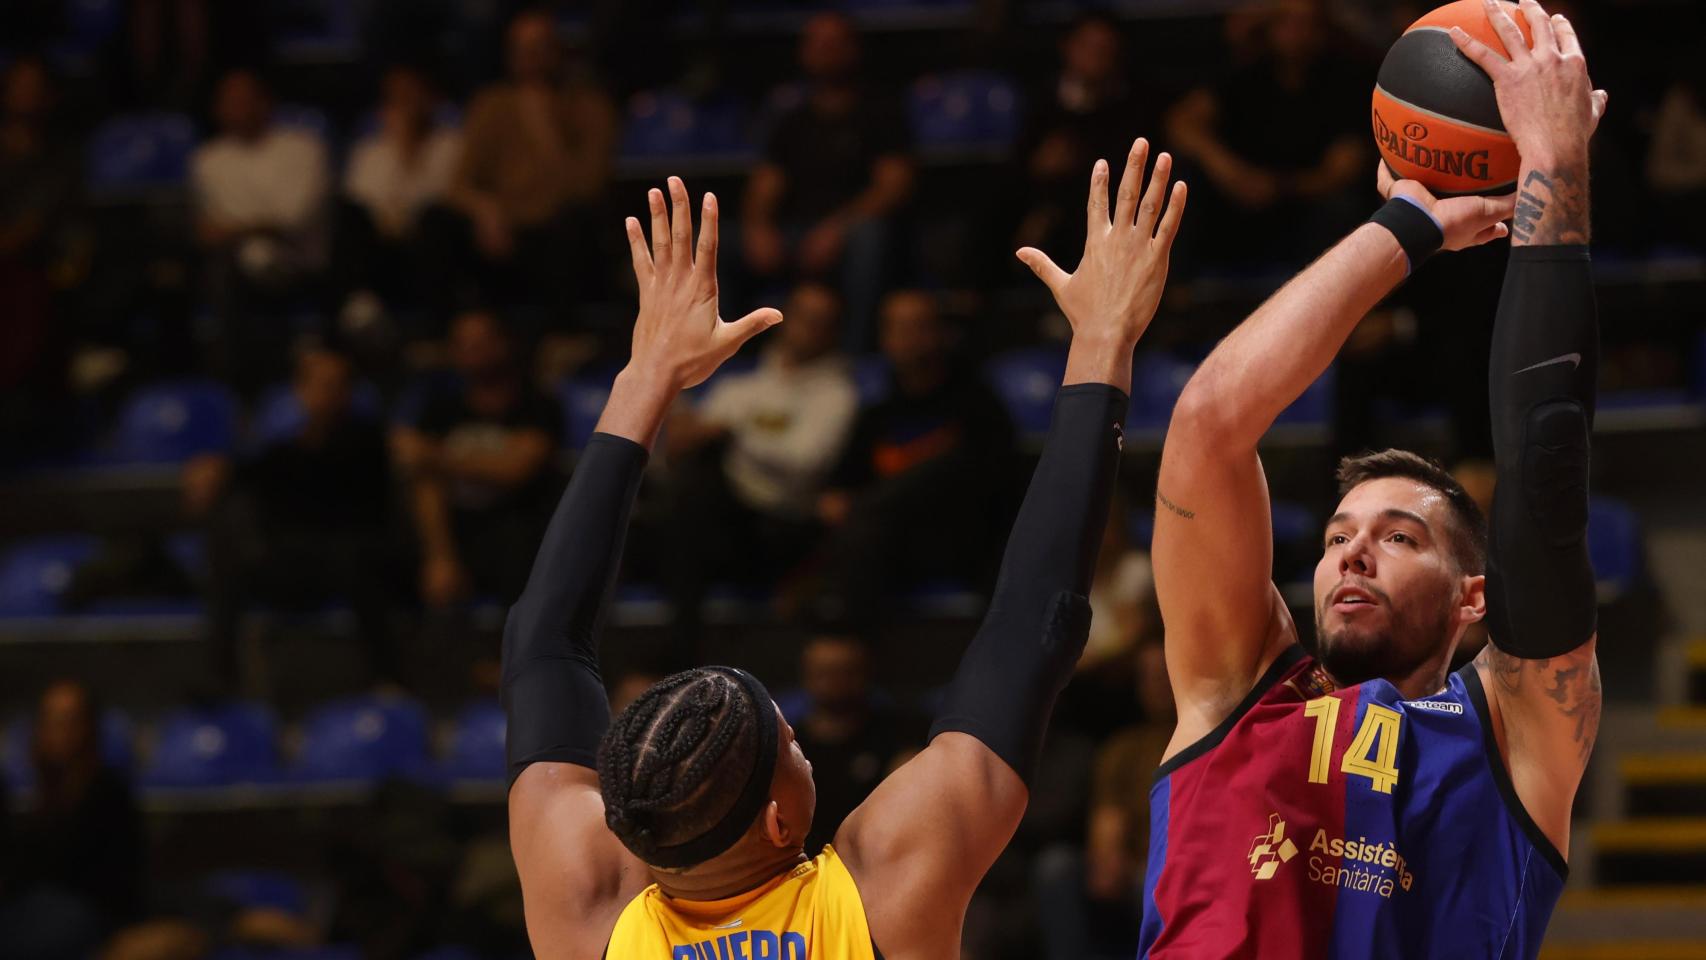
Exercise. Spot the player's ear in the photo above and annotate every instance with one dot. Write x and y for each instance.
(777, 830)
(1472, 604)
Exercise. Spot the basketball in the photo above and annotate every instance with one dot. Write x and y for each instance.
(1436, 119)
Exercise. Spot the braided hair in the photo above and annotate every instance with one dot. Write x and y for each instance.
(674, 762)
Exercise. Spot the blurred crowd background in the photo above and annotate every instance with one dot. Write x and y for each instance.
(307, 305)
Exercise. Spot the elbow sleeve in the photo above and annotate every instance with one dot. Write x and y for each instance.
(1545, 362)
(1039, 619)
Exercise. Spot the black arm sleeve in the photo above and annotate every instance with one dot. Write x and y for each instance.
(1039, 618)
(552, 692)
(1545, 363)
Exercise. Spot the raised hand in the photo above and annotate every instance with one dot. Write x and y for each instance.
(1550, 109)
(1466, 221)
(1113, 294)
(1548, 105)
(679, 337)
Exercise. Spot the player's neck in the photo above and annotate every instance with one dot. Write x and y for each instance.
(1424, 681)
(730, 875)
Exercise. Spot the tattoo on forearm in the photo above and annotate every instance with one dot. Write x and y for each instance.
(1552, 208)
(1161, 498)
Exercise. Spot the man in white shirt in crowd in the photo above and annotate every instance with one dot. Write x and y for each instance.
(260, 188)
(260, 202)
(749, 463)
(396, 173)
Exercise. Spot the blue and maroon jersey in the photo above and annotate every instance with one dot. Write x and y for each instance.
(1320, 822)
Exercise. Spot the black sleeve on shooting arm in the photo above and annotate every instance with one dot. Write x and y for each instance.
(1039, 617)
(1545, 363)
(552, 692)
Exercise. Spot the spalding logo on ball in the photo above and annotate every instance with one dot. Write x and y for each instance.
(1436, 119)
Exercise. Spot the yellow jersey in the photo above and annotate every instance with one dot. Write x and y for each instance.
(812, 912)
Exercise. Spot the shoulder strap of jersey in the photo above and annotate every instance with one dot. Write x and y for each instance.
(1282, 665)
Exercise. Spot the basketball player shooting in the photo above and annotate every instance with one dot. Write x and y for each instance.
(676, 832)
(1364, 802)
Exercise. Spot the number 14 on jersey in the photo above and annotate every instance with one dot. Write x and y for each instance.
(1373, 752)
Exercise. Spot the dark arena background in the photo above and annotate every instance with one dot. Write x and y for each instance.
(306, 307)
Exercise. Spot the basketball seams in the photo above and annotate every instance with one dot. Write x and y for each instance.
(1435, 114)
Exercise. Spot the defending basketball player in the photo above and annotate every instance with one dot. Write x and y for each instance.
(1362, 801)
(676, 831)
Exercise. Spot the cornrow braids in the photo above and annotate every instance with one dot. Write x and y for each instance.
(678, 760)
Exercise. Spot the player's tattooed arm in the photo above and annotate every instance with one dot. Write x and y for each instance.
(1552, 207)
(1556, 700)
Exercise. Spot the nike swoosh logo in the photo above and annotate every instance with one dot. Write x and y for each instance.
(728, 926)
(1573, 359)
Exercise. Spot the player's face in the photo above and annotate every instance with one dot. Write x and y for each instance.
(1388, 595)
(793, 789)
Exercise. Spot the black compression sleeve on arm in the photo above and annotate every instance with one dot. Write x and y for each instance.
(1039, 618)
(1545, 363)
(552, 693)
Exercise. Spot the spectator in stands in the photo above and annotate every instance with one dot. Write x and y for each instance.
(835, 170)
(38, 195)
(1093, 898)
(753, 457)
(261, 193)
(1280, 141)
(300, 521)
(478, 453)
(1676, 164)
(1087, 112)
(536, 160)
(855, 737)
(394, 174)
(914, 496)
(74, 870)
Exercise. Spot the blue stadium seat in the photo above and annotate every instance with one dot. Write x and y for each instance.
(222, 746)
(1315, 407)
(171, 422)
(363, 739)
(1614, 545)
(476, 749)
(668, 125)
(118, 748)
(140, 152)
(278, 415)
(1157, 379)
(91, 22)
(871, 376)
(582, 399)
(34, 574)
(1293, 523)
(258, 890)
(968, 109)
(1026, 381)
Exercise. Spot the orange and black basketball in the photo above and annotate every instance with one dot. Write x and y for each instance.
(1436, 119)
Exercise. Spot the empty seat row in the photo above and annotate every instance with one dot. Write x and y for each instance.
(143, 153)
(353, 741)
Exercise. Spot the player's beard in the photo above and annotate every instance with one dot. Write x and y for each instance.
(1411, 635)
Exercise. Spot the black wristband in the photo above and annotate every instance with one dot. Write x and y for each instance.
(1417, 231)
